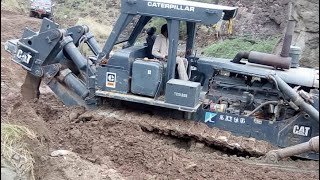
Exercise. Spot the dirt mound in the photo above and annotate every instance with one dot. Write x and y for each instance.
(12, 25)
(260, 18)
(102, 138)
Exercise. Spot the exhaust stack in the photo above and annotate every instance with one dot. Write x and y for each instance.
(284, 61)
(287, 40)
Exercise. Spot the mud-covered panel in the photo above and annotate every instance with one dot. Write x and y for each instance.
(239, 125)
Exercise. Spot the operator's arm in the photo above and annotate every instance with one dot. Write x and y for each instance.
(156, 48)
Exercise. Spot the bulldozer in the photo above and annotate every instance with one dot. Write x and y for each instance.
(260, 101)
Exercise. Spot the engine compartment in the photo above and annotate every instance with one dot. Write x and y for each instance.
(241, 95)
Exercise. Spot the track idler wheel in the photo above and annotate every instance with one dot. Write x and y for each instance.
(30, 88)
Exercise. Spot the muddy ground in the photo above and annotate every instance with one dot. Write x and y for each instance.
(107, 147)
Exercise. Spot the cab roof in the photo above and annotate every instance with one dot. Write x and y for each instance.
(180, 10)
(195, 4)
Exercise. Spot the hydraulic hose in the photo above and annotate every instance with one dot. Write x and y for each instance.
(260, 106)
(311, 145)
(295, 97)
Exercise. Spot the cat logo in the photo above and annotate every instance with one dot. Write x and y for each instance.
(23, 56)
(111, 80)
(301, 130)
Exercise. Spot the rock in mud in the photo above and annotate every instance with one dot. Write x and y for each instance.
(89, 117)
(16, 157)
(190, 166)
(76, 133)
(73, 116)
(60, 153)
(225, 155)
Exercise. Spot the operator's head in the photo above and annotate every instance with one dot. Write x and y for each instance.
(164, 30)
(151, 31)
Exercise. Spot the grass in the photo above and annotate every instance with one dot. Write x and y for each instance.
(14, 5)
(230, 47)
(95, 14)
(100, 32)
(14, 151)
(95, 9)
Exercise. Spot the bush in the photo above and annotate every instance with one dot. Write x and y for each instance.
(230, 47)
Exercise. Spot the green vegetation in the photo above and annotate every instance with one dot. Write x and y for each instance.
(230, 47)
(158, 22)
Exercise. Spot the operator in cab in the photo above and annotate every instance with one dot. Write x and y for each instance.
(160, 51)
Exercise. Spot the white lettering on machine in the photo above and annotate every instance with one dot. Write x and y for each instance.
(171, 6)
(181, 94)
(301, 130)
(23, 56)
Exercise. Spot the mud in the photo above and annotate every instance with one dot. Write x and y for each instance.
(103, 137)
(108, 144)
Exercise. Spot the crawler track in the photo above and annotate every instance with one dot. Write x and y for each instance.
(203, 133)
(215, 137)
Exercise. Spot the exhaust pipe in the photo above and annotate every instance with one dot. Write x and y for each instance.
(287, 40)
(269, 60)
(239, 56)
(283, 61)
(263, 59)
